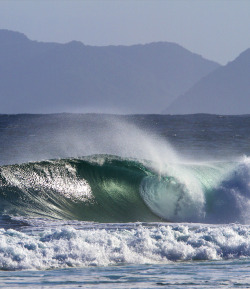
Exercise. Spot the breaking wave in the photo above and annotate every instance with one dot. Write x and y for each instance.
(106, 188)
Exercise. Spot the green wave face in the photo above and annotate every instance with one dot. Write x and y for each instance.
(98, 188)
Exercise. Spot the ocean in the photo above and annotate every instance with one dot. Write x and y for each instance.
(124, 201)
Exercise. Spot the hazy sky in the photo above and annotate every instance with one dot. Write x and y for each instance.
(217, 29)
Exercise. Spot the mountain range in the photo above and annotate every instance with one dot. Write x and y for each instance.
(162, 77)
(39, 77)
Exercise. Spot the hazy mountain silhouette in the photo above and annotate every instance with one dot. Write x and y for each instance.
(224, 91)
(51, 77)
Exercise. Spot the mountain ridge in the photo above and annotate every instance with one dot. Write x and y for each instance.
(41, 77)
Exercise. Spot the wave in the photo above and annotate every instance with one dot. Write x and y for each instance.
(106, 188)
(155, 244)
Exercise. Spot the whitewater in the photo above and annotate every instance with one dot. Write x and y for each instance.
(95, 198)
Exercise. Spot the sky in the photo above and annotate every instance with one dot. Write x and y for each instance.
(216, 29)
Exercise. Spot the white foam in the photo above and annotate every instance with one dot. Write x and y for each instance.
(68, 247)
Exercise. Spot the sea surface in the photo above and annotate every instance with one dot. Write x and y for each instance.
(124, 201)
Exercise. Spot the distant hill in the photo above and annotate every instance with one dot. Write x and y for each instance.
(224, 91)
(50, 77)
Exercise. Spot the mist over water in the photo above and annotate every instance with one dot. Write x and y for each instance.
(79, 135)
(200, 137)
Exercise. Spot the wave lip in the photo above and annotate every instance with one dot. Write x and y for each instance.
(70, 247)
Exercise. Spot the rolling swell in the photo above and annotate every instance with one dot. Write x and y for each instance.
(106, 188)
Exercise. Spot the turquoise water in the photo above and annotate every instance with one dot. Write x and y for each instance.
(124, 201)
